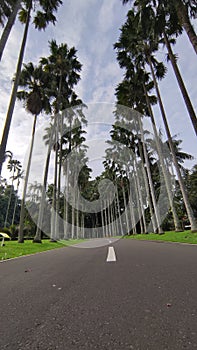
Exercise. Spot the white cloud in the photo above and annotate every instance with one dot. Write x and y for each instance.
(106, 16)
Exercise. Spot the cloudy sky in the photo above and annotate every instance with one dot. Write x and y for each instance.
(92, 26)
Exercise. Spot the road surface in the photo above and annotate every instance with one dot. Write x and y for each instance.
(127, 295)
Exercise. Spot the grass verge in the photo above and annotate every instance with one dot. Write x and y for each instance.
(170, 236)
(13, 249)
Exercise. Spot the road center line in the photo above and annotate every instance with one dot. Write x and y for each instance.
(111, 255)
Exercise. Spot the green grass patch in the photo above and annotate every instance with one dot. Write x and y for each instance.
(13, 249)
(170, 236)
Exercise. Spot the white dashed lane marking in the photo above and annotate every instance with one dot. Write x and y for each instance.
(111, 257)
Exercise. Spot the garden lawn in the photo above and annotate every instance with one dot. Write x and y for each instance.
(13, 249)
(170, 236)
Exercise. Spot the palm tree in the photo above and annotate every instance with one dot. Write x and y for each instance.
(161, 24)
(5, 10)
(17, 177)
(13, 166)
(41, 20)
(182, 12)
(49, 141)
(180, 155)
(10, 22)
(181, 83)
(32, 80)
(172, 12)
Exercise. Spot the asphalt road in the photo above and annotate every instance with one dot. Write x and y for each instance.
(73, 298)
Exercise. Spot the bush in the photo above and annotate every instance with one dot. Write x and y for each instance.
(5, 230)
(14, 232)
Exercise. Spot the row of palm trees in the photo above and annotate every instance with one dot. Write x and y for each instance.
(138, 43)
(133, 164)
(48, 88)
(41, 13)
(161, 22)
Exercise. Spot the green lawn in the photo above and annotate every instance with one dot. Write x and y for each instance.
(13, 249)
(170, 236)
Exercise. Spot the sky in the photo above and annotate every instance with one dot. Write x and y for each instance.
(92, 26)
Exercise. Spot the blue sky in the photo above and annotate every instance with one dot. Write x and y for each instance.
(92, 26)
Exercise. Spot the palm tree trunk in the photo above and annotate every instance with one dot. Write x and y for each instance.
(58, 188)
(181, 84)
(177, 224)
(131, 210)
(22, 213)
(152, 190)
(83, 225)
(54, 201)
(73, 218)
(147, 187)
(106, 222)
(125, 206)
(15, 203)
(102, 219)
(175, 162)
(8, 206)
(119, 212)
(8, 27)
(137, 172)
(184, 19)
(110, 218)
(41, 211)
(14, 91)
(37, 238)
(66, 208)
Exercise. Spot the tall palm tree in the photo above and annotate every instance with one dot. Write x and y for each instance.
(180, 154)
(13, 166)
(15, 7)
(40, 21)
(33, 81)
(180, 81)
(49, 141)
(145, 48)
(160, 24)
(5, 10)
(172, 12)
(18, 178)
